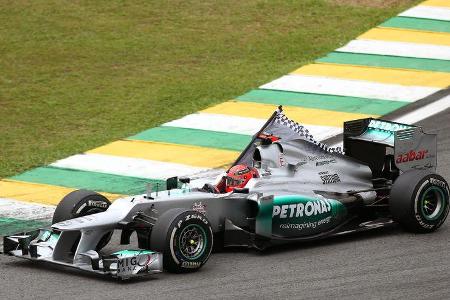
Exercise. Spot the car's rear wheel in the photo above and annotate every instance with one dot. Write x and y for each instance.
(184, 237)
(81, 203)
(419, 201)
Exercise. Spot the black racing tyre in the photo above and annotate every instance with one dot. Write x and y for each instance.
(82, 203)
(185, 239)
(419, 201)
(79, 203)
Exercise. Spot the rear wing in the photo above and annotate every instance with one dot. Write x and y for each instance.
(410, 146)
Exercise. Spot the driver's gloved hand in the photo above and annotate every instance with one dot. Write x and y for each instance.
(210, 188)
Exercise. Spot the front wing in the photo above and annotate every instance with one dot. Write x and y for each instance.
(39, 245)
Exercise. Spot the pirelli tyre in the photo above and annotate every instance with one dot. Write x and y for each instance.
(82, 203)
(419, 201)
(184, 237)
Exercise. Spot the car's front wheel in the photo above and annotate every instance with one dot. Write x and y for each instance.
(81, 203)
(184, 237)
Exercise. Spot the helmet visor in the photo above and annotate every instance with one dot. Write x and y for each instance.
(233, 181)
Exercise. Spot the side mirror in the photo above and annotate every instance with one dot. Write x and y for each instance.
(172, 183)
(185, 180)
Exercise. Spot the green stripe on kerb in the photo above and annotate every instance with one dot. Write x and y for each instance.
(87, 180)
(328, 102)
(418, 24)
(14, 226)
(387, 61)
(195, 137)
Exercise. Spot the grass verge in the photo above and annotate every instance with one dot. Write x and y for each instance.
(77, 74)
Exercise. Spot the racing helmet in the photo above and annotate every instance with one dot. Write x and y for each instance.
(238, 176)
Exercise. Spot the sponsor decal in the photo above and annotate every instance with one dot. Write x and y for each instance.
(422, 223)
(281, 160)
(243, 171)
(299, 215)
(329, 178)
(306, 225)
(132, 265)
(319, 157)
(193, 216)
(325, 162)
(199, 207)
(438, 182)
(296, 210)
(411, 156)
(428, 165)
(97, 203)
(190, 264)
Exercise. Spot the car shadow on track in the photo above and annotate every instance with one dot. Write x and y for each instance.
(324, 242)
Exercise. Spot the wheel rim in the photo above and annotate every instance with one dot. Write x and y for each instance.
(432, 203)
(192, 241)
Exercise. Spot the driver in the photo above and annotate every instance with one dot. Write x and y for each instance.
(238, 176)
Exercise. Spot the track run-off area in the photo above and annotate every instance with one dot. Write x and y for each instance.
(403, 60)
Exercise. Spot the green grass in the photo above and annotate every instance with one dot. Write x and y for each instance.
(77, 74)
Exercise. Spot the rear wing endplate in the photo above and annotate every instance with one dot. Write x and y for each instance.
(413, 149)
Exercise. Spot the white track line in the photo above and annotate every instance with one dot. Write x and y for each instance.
(397, 49)
(218, 122)
(425, 111)
(135, 167)
(346, 87)
(427, 12)
(10, 208)
(241, 125)
(126, 166)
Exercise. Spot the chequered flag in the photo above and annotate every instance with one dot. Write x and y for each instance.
(281, 119)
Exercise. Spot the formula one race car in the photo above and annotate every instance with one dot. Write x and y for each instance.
(285, 187)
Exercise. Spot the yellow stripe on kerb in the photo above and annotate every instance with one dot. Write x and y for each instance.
(38, 193)
(383, 75)
(443, 3)
(404, 35)
(182, 154)
(302, 115)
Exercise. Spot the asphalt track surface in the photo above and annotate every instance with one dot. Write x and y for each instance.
(387, 263)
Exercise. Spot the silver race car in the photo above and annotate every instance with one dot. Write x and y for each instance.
(285, 187)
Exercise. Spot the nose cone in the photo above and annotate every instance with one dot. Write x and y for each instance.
(103, 219)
